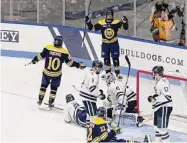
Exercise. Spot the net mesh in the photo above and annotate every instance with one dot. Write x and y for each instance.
(145, 88)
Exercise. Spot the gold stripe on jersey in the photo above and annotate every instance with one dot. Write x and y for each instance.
(39, 57)
(98, 121)
(52, 74)
(60, 50)
(70, 63)
(110, 41)
(96, 140)
(103, 22)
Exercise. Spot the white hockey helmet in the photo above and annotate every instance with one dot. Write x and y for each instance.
(109, 78)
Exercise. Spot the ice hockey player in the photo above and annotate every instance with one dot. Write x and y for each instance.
(161, 104)
(98, 130)
(109, 29)
(75, 112)
(55, 55)
(118, 99)
(89, 89)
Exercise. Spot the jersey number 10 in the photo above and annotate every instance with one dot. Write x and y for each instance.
(54, 63)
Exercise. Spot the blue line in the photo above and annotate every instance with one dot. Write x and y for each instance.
(81, 29)
(88, 63)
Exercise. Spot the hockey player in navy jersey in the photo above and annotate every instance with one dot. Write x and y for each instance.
(109, 28)
(98, 130)
(54, 55)
(75, 112)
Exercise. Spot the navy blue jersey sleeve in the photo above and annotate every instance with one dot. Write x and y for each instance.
(70, 62)
(41, 55)
(97, 26)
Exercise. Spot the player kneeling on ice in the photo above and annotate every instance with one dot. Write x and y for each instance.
(55, 55)
(75, 112)
(98, 130)
(161, 104)
(89, 89)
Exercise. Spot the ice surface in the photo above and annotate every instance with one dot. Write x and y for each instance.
(22, 121)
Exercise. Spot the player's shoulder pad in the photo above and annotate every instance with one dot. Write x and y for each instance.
(98, 121)
(101, 22)
(116, 21)
(60, 50)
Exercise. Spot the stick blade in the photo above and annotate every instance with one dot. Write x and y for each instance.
(127, 59)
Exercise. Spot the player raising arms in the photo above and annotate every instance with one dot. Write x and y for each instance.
(109, 29)
(89, 89)
(75, 112)
(162, 104)
(98, 130)
(55, 55)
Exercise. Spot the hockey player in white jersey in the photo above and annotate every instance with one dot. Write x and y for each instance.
(75, 112)
(89, 89)
(161, 104)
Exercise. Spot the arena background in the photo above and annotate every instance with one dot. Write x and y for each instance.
(72, 12)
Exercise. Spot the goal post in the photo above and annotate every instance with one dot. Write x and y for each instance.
(145, 87)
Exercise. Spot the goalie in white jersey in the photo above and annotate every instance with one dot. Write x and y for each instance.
(161, 104)
(89, 89)
(75, 112)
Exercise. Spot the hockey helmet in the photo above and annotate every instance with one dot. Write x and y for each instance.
(101, 112)
(109, 78)
(97, 66)
(158, 70)
(69, 98)
(58, 41)
(109, 16)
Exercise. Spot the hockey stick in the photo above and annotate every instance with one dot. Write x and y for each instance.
(28, 64)
(54, 107)
(129, 67)
(89, 6)
(75, 88)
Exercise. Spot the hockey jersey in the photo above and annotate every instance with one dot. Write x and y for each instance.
(89, 88)
(164, 97)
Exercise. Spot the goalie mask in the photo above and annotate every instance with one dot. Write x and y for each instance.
(157, 71)
(97, 66)
(109, 78)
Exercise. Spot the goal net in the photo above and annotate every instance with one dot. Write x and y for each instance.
(145, 87)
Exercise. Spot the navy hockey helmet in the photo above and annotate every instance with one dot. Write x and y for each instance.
(69, 98)
(101, 112)
(97, 65)
(158, 70)
(109, 16)
(109, 78)
(58, 41)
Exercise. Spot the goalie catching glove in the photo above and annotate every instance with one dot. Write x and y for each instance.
(151, 98)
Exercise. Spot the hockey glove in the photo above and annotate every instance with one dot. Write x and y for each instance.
(82, 66)
(150, 98)
(35, 60)
(124, 19)
(101, 95)
(117, 130)
(87, 19)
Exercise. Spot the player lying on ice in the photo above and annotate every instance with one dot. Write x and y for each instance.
(98, 130)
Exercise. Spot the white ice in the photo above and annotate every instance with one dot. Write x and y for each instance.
(22, 121)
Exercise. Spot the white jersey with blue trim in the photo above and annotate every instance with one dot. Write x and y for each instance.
(131, 95)
(164, 98)
(89, 88)
(116, 93)
(71, 111)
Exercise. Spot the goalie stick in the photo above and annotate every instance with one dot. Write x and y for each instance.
(129, 67)
(89, 6)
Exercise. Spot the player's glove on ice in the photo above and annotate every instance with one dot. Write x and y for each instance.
(82, 66)
(117, 130)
